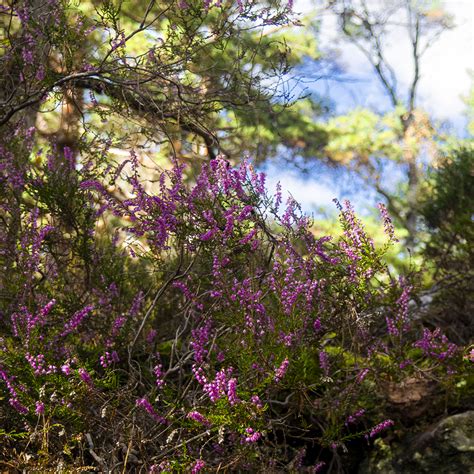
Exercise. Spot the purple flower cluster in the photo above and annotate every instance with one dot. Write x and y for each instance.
(148, 407)
(199, 465)
(66, 369)
(354, 417)
(13, 400)
(200, 337)
(318, 467)
(222, 385)
(39, 366)
(387, 222)
(108, 359)
(85, 377)
(150, 337)
(356, 242)
(362, 374)
(196, 416)
(40, 318)
(39, 408)
(76, 320)
(324, 362)
(255, 399)
(436, 345)
(248, 296)
(24, 319)
(117, 325)
(251, 436)
(281, 370)
(400, 323)
(379, 428)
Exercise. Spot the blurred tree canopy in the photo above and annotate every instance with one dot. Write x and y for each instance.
(404, 135)
(195, 78)
(448, 218)
(470, 110)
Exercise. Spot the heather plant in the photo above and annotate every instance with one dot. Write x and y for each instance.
(179, 318)
(192, 322)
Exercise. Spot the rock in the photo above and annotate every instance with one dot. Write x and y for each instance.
(448, 448)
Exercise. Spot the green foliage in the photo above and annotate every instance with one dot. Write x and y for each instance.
(470, 109)
(361, 135)
(448, 211)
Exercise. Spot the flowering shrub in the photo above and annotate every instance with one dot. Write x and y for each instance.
(182, 319)
(191, 323)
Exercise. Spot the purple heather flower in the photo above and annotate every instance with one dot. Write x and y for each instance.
(354, 417)
(39, 408)
(405, 363)
(38, 364)
(436, 345)
(317, 467)
(387, 222)
(317, 325)
(147, 406)
(196, 416)
(164, 466)
(15, 403)
(248, 237)
(232, 391)
(66, 369)
(150, 337)
(379, 428)
(85, 377)
(199, 375)
(208, 235)
(361, 375)
(255, 399)
(281, 371)
(200, 337)
(251, 436)
(391, 328)
(118, 325)
(198, 466)
(76, 320)
(216, 389)
(298, 460)
(278, 197)
(136, 305)
(108, 359)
